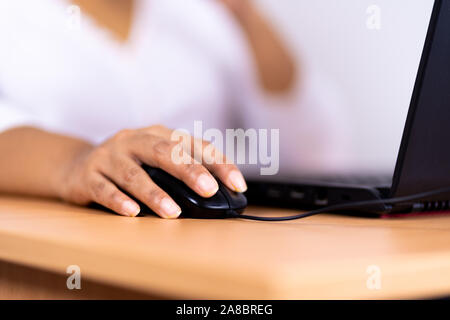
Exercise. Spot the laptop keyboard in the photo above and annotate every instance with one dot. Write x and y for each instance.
(365, 180)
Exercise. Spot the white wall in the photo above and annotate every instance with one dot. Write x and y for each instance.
(374, 69)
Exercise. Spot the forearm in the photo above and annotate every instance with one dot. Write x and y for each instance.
(32, 161)
(276, 66)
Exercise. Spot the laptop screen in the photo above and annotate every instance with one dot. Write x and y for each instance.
(357, 65)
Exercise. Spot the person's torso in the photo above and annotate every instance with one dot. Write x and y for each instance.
(79, 80)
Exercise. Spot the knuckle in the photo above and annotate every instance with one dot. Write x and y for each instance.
(114, 196)
(147, 136)
(130, 175)
(97, 188)
(156, 196)
(192, 170)
(163, 147)
(113, 200)
(123, 134)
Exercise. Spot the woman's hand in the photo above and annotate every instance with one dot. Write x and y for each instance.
(96, 174)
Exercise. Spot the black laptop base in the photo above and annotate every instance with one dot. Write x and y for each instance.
(309, 196)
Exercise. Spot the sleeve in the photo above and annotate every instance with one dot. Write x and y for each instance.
(12, 116)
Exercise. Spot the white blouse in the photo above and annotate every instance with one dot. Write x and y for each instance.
(185, 61)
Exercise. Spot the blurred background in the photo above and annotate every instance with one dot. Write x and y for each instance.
(373, 69)
(357, 59)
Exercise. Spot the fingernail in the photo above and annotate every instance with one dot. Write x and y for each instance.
(207, 185)
(170, 209)
(238, 181)
(130, 208)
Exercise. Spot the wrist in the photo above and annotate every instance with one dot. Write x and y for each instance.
(67, 169)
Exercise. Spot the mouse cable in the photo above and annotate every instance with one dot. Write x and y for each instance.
(344, 206)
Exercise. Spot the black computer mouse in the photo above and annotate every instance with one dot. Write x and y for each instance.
(195, 206)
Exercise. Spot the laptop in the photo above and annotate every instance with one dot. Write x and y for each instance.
(423, 161)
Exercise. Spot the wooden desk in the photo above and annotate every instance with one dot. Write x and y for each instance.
(326, 256)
